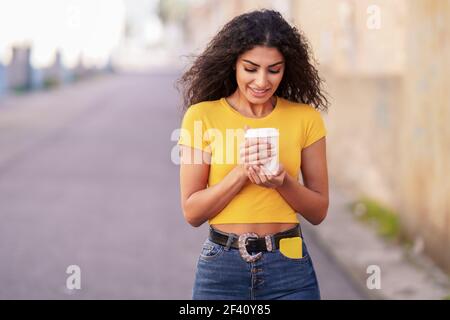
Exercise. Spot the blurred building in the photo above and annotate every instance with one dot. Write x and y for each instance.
(3, 80)
(37, 79)
(56, 74)
(19, 69)
(20, 75)
(144, 43)
(80, 70)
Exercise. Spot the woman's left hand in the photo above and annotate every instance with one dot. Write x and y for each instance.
(260, 176)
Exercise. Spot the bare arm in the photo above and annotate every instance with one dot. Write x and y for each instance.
(310, 200)
(199, 202)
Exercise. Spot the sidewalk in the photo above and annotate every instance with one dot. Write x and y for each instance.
(355, 246)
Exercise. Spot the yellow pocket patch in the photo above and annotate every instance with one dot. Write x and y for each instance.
(292, 247)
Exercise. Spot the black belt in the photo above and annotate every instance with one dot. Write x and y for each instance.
(253, 244)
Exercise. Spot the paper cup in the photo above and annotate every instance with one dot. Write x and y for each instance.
(272, 135)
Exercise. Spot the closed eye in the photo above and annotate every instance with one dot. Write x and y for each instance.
(271, 71)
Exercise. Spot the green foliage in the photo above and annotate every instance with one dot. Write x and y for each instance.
(20, 89)
(50, 83)
(384, 219)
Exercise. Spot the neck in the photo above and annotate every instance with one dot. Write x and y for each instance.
(240, 103)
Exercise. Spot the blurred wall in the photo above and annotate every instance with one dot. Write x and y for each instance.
(207, 17)
(424, 135)
(388, 134)
(360, 48)
(354, 36)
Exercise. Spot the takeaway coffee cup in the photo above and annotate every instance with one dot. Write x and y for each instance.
(272, 136)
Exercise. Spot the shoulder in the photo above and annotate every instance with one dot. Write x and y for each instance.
(301, 110)
(204, 108)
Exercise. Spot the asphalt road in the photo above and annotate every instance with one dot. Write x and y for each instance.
(86, 179)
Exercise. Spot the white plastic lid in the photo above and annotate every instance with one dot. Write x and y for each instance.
(261, 133)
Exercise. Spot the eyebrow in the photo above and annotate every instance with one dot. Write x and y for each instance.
(257, 65)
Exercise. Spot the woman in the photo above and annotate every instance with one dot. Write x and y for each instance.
(255, 73)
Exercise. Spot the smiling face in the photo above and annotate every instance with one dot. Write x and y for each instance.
(259, 72)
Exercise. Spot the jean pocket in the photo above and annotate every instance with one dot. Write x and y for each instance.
(304, 259)
(210, 250)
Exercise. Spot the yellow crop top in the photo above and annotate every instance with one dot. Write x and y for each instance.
(217, 128)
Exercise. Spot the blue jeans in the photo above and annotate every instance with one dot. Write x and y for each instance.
(222, 274)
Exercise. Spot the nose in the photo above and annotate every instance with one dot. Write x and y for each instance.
(261, 80)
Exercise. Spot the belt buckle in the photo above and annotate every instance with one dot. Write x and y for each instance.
(243, 247)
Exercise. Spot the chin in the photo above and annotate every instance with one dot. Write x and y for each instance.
(256, 100)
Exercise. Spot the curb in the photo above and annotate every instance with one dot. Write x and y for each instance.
(347, 269)
(354, 246)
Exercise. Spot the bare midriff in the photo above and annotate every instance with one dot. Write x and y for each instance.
(261, 229)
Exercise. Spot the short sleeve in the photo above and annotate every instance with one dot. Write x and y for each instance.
(315, 128)
(192, 131)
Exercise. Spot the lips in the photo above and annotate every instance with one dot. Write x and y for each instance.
(258, 93)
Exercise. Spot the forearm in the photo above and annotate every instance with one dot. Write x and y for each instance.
(310, 204)
(207, 203)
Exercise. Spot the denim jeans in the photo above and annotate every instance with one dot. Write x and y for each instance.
(223, 275)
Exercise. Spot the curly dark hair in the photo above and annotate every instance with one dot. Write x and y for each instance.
(212, 76)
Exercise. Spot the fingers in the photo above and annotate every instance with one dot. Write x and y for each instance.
(249, 175)
(266, 176)
(254, 176)
(279, 171)
(254, 141)
(259, 148)
(254, 157)
(253, 153)
(256, 151)
(260, 176)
